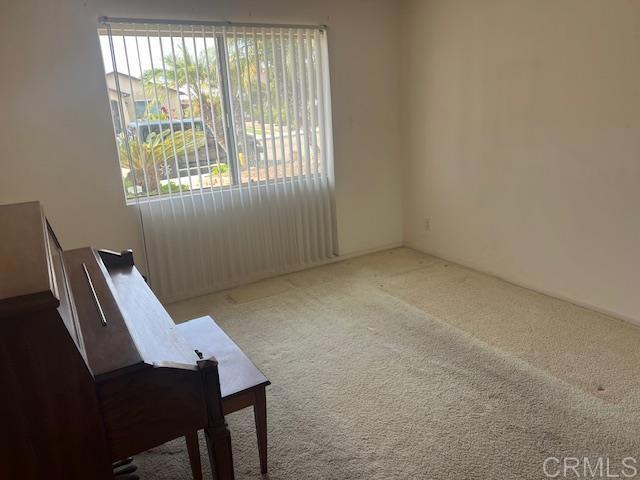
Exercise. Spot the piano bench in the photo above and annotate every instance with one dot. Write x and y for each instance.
(241, 383)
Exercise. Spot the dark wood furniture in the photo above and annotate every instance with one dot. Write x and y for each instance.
(92, 367)
(241, 383)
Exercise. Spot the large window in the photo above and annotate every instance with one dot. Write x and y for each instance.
(207, 107)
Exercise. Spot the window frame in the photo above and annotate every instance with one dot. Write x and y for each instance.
(232, 137)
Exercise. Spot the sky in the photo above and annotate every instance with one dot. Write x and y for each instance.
(147, 57)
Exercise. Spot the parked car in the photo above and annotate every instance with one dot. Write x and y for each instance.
(216, 155)
(142, 130)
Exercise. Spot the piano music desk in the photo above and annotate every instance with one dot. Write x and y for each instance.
(241, 383)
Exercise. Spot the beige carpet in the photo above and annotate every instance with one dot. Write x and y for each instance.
(399, 365)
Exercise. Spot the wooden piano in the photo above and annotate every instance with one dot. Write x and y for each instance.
(92, 368)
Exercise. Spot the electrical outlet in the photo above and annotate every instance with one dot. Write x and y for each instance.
(427, 225)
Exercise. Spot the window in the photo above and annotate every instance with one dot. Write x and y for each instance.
(204, 107)
(115, 115)
(141, 108)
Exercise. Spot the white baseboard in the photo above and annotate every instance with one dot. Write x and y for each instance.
(535, 288)
(368, 251)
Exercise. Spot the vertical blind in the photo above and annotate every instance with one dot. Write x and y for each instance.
(224, 141)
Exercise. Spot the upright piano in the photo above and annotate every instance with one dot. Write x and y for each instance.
(92, 368)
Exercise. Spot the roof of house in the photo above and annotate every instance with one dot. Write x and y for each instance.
(139, 79)
(124, 75)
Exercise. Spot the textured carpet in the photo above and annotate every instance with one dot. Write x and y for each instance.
(368, 384)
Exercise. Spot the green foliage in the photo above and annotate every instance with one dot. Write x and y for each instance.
(220, 169)
(142, 159)
(155, 116)
(173, 187)
(184, 72)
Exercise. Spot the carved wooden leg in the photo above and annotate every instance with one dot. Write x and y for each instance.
(219, 449)
(125, 469)
(260, 415)
(193, 448)
(216, 431)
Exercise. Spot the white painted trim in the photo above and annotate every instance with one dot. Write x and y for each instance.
(367, 251)
(528, 286)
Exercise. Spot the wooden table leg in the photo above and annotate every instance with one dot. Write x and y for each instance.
(260, 414)
(193, 448)
(219, 449)
(216, 432)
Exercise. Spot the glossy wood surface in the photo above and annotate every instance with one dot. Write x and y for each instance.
(237, 371)
(154, 332)
(109, 348)
(51, 424)
(144, 409)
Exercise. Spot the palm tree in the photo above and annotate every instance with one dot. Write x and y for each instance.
(145, 161)
(183, 73)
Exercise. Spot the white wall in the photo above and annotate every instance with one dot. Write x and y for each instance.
(522, 123)
(57, 137)
(520, 129)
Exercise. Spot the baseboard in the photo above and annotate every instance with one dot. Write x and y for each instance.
(549, 293)
(368, 251)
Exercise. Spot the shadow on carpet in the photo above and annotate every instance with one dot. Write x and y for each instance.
(366, 386)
